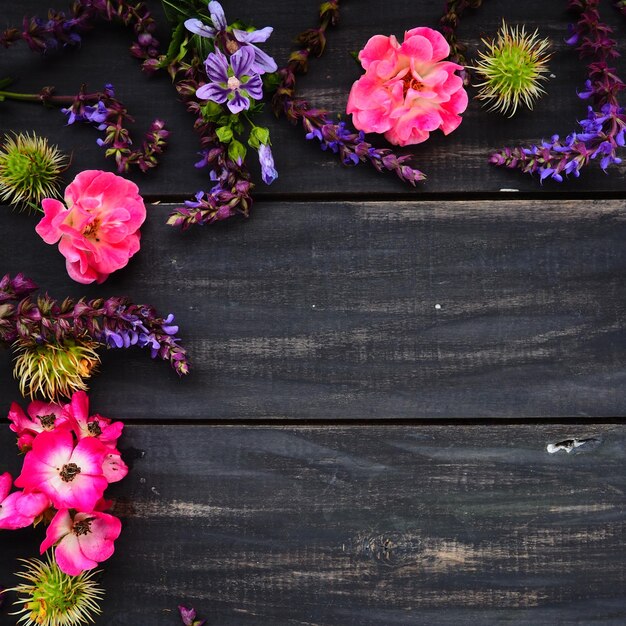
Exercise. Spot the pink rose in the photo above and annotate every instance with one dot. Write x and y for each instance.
(19, 509)
(98, 231)
(42, 416)
(82, 539)
(85, 425)
(70, 475)
(407, 89)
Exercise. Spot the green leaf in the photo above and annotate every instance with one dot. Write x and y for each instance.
(224, 134)
(236, 150)
(213, 112)
(271, 82)
(178, 34)
(175, 10)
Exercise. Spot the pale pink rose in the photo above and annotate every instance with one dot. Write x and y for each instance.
(71, 476)
(407, 90)
(82, 540)
(98, 231)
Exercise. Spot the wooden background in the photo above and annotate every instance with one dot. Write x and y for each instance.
(377, 370)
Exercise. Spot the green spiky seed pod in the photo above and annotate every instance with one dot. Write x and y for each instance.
(511, 69)
(55, 371)
(30, 169)
(49, 597)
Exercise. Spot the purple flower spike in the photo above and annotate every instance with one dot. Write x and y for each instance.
(233, 80)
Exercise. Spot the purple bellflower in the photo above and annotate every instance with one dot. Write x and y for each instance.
(233, 81)
(239, 39)
(266, 159)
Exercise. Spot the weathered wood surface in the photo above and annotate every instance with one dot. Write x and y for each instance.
(364, 526)
(365, 309)
(454, 164)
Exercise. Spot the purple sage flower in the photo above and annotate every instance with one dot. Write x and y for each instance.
(233, 81)
(266, 159)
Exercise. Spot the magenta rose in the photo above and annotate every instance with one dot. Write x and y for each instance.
(407, 90)
(82, 540)
(98, 230)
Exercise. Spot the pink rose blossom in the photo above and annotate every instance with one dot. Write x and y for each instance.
(42, 416)
(407, 90)
(85, 425)
(71, 476)
(82, 541)
(98, 231)
(19, 509)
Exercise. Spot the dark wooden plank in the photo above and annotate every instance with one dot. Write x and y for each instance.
(363, 526)
(357, 310)
(455, 164)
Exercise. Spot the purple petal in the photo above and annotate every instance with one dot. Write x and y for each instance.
(263, 62)
(242, 61)
(198, 28)
(238, 103)
(217, 15)
(255, 36)
(214, 92)
(114, 339)
(254, 87)
(216, 66)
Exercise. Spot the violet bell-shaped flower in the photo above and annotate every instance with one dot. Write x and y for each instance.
(263, 62)
(266, 159)
(233, 81)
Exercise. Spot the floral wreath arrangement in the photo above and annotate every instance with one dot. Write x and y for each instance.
(221, 74)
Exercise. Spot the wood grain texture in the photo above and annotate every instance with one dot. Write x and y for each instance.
(364, 526)
(357, 310)
(454, 164)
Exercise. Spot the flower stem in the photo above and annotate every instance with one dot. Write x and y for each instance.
(45, 97)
